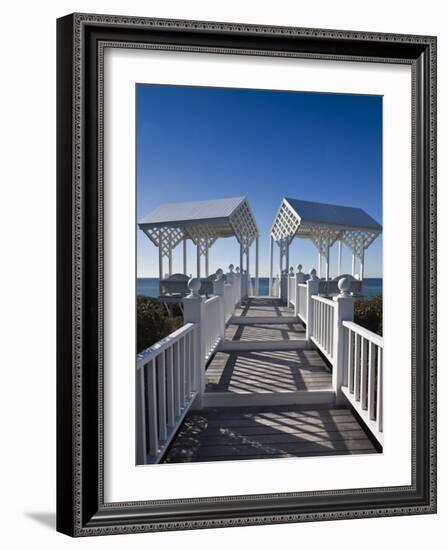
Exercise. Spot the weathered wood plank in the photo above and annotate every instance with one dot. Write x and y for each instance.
(263, 432)
(267, 371)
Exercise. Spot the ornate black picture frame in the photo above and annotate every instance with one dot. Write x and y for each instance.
(81, 509)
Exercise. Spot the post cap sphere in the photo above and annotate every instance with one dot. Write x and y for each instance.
(231, 266)
(237, 269)
(219, 273)
(299, 268)
(313, 273)
(291, 269)
(344, 285)
(194, 285)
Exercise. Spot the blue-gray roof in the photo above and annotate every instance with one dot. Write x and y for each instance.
(332, 214)
(193, 211)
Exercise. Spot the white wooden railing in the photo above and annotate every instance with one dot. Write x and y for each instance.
(166, 387)
(363, 375)
(302, 296)
(214, 325)
(228, 301)
(276, 287)
(323, 325)
(292, 289)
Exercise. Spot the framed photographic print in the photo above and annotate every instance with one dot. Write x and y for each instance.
(246, 274)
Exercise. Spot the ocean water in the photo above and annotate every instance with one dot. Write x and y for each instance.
(149, 286)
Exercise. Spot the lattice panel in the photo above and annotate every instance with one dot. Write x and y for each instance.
(359, 240)
(323, 237)
(165, 238)
(286, 223)
(203, 236)
(244, 226)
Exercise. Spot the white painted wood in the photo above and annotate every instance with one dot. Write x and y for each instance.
(271, 265)
(357, 367)
(184, 250)
(171, 413)
(257, 266)
(141, 432)
(372, 380)
(379, 412)
(161, 396)
(151, 397)
(340, 257)
(198, 260)
(364, 373)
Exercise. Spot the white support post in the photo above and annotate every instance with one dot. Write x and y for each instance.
(327, 264)
(218, 290)
(206, 257)
(281, 255)
(271, 263)
(319, 264)
(300, 279)
(257, 267)
(198, 260)
(160, 263)
(343, 311)
(287, 254)
(353, 264)
(284, 287)
(242, 279)
(361, 267)
(340, 258)
(194, 313)
(170, 259)
(185, 255)
(312, 289)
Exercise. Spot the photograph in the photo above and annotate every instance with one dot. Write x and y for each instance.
(259, 274)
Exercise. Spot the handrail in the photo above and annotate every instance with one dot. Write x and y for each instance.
(366, 333)
(323, 299)
(150, 353)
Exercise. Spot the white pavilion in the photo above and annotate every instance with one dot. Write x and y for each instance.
(202, 222)
(324, 224)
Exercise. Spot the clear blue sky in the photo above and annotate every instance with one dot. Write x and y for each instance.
(206, 143)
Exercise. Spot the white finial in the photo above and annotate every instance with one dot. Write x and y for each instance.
(313, 274)
(344, 285)
(237, 269)
(219, 274)
(291, 270)
(194, 285)
(231, 266)
(299, 268)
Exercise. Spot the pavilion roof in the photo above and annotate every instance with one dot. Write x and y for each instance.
(202, 221)
(324, 224)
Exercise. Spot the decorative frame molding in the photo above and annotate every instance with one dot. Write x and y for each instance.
(81, 42)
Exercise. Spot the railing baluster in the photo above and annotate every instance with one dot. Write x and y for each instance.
(356, 381)
(182, 373)
(152, 408)
(171, 416)
(372, 380)
(142, 450)
(363, 389)
(177, 380)
(161, 394)
(379, 405)
(187, 366)
(351, 352)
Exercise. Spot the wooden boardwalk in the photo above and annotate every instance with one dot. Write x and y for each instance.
(267, 432)
(267, 371)
(266, 428)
